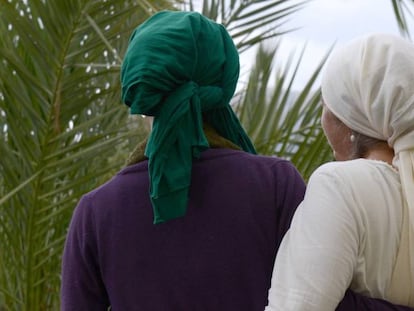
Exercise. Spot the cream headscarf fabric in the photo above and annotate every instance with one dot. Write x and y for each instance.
(369, 85)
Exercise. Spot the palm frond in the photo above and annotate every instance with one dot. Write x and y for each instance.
(250, 21)
(63, 129)
(401, 8)
(281, 121)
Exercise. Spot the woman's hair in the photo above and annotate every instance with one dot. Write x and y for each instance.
(362, 144)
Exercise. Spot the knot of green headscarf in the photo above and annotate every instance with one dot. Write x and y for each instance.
(180, 67)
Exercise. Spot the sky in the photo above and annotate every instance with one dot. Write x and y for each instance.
(327, 22)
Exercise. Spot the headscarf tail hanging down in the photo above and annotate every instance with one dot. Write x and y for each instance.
(179, 67)
(368, 85)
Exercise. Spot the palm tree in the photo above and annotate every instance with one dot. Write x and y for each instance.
(61, 124)
(64, 131)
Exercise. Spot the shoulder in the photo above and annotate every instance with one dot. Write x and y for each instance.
(341, 167)
(131, 179)
(350, 185)
(288, 180)
(245, 160)
(261, 173)
(136, 172)
(282, 169)
(354, 171)
(272, 161)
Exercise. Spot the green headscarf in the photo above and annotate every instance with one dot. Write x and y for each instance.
(179, 67)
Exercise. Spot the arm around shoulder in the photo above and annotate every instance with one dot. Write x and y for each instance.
(357, 302)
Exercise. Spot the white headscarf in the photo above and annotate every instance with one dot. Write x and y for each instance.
(369, 85)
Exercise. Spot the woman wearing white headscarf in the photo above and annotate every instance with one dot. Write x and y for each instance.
(355, 227)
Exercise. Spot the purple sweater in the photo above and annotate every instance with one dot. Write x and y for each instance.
(218, 257)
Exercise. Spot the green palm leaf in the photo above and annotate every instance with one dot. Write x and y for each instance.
(250, 21)
(280, 120)
(401, 8)
(61, 123)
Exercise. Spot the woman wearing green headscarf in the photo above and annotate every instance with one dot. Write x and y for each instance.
(220, 211)
(178, 68)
